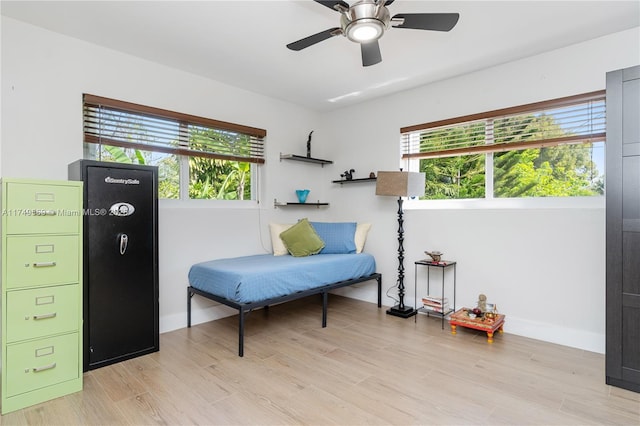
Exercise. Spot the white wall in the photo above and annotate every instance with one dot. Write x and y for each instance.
(543, 267)
(542, 264)
(44, 75)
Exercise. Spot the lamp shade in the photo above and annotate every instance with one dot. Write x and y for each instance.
(400, 184)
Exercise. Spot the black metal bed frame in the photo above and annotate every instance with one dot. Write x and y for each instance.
(245, 308)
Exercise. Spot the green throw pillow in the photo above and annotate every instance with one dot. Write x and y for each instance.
(301, 239)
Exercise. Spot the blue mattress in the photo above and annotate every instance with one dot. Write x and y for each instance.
(260, 277)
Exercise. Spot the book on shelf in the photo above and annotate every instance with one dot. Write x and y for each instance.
(435, 300)
(435, 305)
(439, 309)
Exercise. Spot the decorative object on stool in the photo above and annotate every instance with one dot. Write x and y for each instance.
(302, 195)
(434, 255)
(400, 184)
(482, 303)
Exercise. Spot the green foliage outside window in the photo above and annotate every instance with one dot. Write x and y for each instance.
(208, 178)
(458, 177)
(219, 179)
(559, 171)
(214, 178)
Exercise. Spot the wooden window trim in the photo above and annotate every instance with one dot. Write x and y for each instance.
(520, 109)
(598, 95)
(93, 134)
(158, 112)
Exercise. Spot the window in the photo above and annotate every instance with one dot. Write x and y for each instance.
(197, 158)
(546, 149)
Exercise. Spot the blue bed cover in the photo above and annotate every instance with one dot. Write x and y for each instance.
(250, 279)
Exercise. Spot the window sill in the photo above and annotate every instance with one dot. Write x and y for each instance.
(509, 203)
(166, 203)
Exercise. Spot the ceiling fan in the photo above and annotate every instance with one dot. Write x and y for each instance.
(365, 22)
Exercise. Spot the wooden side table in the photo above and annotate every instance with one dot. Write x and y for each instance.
(490, 326)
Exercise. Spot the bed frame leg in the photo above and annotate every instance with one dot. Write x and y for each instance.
(189, 296)
(325, 300)
(379, 279)
(241, 332)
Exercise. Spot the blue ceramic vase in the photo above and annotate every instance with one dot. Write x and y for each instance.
(302, 195)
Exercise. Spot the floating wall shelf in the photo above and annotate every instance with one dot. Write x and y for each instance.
(295, 157)
(341, 181)
(277, 203)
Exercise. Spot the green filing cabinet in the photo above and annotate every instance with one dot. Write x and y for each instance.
(41, 291)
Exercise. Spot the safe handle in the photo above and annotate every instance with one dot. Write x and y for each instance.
(124, 242)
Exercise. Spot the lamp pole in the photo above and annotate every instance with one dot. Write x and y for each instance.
(401, 310)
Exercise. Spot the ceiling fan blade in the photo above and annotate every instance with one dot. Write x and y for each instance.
(313, 39)
(332, 4)
(370, 53)
(426, 21)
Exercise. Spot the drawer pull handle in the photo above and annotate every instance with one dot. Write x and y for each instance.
(45, 316)
(44, 367)
(44, 264)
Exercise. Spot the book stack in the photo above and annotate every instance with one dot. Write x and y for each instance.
(436, 304)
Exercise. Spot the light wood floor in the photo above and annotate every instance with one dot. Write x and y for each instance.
(366, 367)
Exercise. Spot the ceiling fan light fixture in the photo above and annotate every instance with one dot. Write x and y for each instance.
(365, 21)
(365, 30)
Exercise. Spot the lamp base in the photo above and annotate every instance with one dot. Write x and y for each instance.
(405, 312)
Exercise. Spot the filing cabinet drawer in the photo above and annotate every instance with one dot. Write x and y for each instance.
(42, 260)
(41, 303)
(42, 311)
(41, 363)
(32, 208)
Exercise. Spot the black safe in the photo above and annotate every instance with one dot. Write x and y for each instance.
(120, 273)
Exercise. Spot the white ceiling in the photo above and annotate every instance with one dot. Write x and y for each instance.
(242, 43)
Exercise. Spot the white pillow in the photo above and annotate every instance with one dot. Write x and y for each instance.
(279, 249)
(362, 229)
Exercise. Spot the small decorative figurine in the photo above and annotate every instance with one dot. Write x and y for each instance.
(492, 311)
(372, 175)
(482, 303)
(434, 255)
(348, 174)
(309, 145)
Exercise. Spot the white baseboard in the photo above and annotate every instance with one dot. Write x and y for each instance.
(580, 339)
(198, 316)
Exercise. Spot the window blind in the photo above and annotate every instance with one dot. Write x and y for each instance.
(570, 120)
(128, 125)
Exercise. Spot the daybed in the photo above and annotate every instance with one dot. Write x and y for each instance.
(250, 282)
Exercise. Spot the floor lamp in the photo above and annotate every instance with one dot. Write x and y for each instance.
(400, 184)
